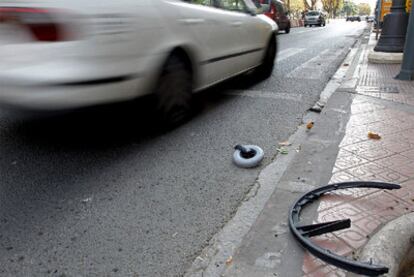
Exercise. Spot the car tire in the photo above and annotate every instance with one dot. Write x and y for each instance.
(265, 70)
(173, 92)
(287, 30)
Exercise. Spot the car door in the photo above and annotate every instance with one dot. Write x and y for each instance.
(250, 32)
(216, 34)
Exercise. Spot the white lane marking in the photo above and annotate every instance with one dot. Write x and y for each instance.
(312, 68)
(266, 94)
(284, 54)
(308, 30)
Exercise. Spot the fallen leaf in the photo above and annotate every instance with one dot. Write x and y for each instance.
(310, 125)
(346, 64)
(282, 150)
(285, 143)
(229, 260)
(373, 135)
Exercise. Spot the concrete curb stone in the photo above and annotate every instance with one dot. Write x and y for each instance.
(390, 244)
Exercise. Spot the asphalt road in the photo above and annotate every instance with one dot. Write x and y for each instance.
(103, 192)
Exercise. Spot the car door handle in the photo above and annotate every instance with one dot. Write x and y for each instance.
(236, 24)
(191, 21)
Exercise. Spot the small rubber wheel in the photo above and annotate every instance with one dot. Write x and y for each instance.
(287, 30)
(174, 92)
(254, 161)
(265, 70)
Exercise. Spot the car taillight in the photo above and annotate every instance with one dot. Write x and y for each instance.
(40, 23)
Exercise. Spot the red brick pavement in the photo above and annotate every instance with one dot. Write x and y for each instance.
(389, 159)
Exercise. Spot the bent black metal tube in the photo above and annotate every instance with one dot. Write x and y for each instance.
(303, 233)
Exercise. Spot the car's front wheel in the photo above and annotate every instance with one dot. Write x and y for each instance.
(173, 92)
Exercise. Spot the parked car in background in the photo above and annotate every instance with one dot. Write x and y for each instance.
(353, 18)
(314, 18)
(277, 10)
(74, 53)
(370, 18)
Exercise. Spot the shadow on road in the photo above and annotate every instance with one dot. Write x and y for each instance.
(110, 125)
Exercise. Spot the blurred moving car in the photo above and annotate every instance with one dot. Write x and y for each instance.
(75, 53)
(314, 18)
(353, 18)
(276, 10)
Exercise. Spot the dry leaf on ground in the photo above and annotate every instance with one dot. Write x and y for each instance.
(373, 135)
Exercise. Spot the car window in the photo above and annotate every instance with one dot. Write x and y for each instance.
(312, 13)
(262, 5)
(232, 5)
(279, 8)
(199, 2)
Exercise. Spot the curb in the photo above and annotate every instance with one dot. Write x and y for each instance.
(390, 244)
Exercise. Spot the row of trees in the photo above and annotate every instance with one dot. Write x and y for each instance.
(333, 8)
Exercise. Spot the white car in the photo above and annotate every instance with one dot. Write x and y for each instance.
(58, 54)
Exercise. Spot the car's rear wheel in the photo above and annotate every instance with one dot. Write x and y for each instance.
(174, 92)
(287, 30)
(265, 70)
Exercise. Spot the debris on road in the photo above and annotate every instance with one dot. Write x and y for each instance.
(285, 143)
(229, 260)
(310, 125)
(373, 135)
(303, 233)
(317, 108)
(86, 200)
(282, 150)
(247, 156)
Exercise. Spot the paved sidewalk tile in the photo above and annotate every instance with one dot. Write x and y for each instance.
(378, 80)
(389, 159)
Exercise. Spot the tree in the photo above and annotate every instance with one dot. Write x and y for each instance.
(364, 9)
(349, 8)
(332, 6)
(296, 8)
(309, 5)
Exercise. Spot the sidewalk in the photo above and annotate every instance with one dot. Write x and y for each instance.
(377, 103)
(384, 106)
